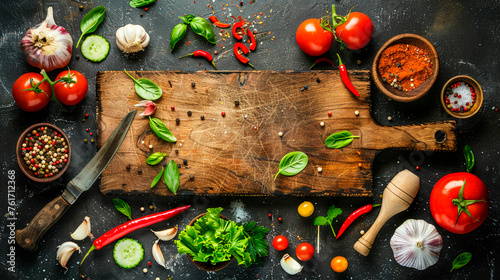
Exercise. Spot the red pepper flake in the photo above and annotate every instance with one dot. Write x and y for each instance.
(90, 133)
(270, 215)
(223, 114)
(417, 167)
(280, 219)
(329, 114)
(86, 115)
(146, 9)
(188, 43)
(172, 108)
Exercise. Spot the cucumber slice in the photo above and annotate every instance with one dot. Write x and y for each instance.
(95, 48)
(128, 252)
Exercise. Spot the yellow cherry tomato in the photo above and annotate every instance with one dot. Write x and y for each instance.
(339, 264)
(306, 209)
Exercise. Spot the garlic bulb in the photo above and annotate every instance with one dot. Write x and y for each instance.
(83, 230)
(158, 255)
(416, 244)
(65, 251)
(47, 46)
(131, 38)
(167, 234)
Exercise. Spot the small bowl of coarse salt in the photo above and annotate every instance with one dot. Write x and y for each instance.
(462, 97)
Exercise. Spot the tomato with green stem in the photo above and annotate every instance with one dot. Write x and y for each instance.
(30, 93)
(354, 30)
(312, 38)
(459, 202)
(71, 87)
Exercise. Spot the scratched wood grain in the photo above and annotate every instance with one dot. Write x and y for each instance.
(239, 154)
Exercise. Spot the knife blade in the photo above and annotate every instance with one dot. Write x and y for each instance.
(29, 237)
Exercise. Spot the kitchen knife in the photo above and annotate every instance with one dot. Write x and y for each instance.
(29, 237)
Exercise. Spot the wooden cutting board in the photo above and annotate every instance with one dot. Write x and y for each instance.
(239, 154)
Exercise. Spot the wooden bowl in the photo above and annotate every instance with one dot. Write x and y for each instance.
(421, 90)
(477, 89)
(207, 266)
(25, 168)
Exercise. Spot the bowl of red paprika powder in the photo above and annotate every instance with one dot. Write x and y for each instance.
(43, 152)
(405, 67)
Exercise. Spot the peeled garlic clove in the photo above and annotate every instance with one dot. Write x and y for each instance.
(65, 251)
(150, 107)
(290, 265)
(416, 244)
(132, 38)
(83, 230)
(158, 255)
(166, 234)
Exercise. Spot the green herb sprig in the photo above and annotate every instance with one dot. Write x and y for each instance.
(172, 176)
(146, 89)
(123, 207)
(292, 163)
(339, 139)
(161, 130)
(331, 214)
(199, 26)
(469, 158)
(140, 3)
(461, 260)
(91, 21)
(158, 177)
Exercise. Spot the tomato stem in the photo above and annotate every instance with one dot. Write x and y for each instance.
(462, 204)
(51, 83)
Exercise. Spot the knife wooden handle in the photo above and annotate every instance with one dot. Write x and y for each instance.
(29, 237)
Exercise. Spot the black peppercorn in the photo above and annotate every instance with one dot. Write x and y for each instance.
(177, 121)
(302, 89)
(179, 165)
(141, 14)
(139, 170)
(176, 151)
(193, 84)
(189, 113)
(202, 118)
(185, 162)
(236, 103)
(306, 87)
(318, 80)
(128, 167)
(191, 177)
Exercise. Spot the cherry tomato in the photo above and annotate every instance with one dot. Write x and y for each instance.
(72, 89)
(304, 251)
(445, 198)
(280, 243)
(339, 264)
(312, 38)
(31, 100)
(306, 209)
(356, 32)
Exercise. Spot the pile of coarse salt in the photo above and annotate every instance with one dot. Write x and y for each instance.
(460, 97)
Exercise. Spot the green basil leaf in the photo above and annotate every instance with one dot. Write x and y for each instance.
(339, 139)
(172, 177)
(91, 21)
(184, 19)
(140, 3)
(123, 207)
(461, 260)
(292, 163)
(177, 34)
(203, 28)
(320, 221)
(161, 130)
(158, 177)
(155, 158)
(469, 158)
(333, 212)
(146, 89)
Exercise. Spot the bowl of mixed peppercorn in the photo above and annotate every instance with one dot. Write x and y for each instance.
(43, 152)
(405, 67)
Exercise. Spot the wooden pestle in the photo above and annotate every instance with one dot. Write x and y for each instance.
(397, 197)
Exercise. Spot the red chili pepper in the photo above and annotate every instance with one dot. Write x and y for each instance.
(253, 44)
(133, 225)
(216, 22)
(237, 47)
(201, 53)
(322, 59)
(356, 214)
(345, 78)
(239, 24)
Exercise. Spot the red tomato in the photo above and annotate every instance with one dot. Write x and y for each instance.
(31, 100)
(72, 89)
(304, 251)
(312, 38)
(445, 196)
(356, 32)
(280, 243)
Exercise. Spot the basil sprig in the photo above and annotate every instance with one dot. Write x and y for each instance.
(123, 207)
(140, 3)
(158, 177)
(155, 158)
(461, 260)
(146, 89)
(172, 176)
(292, 163)
(469, 158)
(199, 26)
(339, 139)
(161, 130)
(91, 21)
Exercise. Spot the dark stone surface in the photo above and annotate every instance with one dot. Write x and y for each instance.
(465, 34)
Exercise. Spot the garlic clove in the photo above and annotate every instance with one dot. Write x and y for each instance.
(65, 251)
(158, 255)
(83, 230)
(167, 234)
(150, 107)
(416, 244)
(290, 265)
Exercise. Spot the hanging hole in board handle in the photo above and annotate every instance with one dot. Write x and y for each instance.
(440, 136)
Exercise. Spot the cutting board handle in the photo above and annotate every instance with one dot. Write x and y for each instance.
(29, 237)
